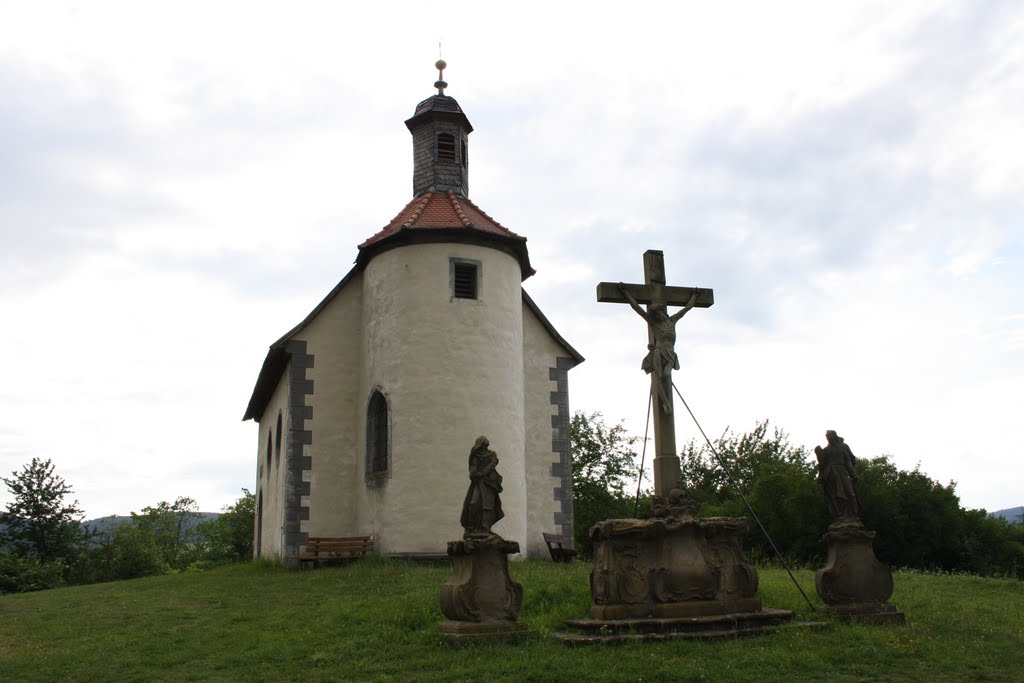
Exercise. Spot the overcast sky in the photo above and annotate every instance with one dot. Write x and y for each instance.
(181, 183)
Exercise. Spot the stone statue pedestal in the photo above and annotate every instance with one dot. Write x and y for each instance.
(673, 576)
(853, 584)
(480, 599)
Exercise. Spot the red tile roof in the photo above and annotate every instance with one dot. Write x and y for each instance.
(445, 210)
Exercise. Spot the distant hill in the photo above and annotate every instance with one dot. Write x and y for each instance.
(1010, 514)
(105, 525)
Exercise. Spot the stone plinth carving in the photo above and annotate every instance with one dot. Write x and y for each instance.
(481, 599)
(853, 584)
(852, 574)
(670, 567)
(481, 589)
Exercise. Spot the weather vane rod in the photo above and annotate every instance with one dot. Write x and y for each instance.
(440, 64)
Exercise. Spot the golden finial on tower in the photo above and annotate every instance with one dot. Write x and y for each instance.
(440, 85)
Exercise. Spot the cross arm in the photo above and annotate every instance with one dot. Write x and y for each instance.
(608, 292)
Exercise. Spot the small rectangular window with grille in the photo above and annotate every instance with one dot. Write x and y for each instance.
(464, 280)
(446, 148)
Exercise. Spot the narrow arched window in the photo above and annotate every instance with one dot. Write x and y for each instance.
(277, 441)
(377, 441)
(270, 450)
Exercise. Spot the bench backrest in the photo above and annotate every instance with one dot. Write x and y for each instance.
(339, 544)
(554, 539)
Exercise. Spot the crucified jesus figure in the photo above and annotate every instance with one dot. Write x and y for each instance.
(661, 356)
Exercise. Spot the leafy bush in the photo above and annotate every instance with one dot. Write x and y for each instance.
(777, 480)
(20, 574)
(172, 528)
(603, 460)
(228, 538)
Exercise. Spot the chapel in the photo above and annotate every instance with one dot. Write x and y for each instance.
(368, 408)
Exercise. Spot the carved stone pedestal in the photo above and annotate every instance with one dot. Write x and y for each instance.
(671, 576)
(480, 599)
(853, 584)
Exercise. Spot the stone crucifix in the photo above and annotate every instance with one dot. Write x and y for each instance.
(661, 357)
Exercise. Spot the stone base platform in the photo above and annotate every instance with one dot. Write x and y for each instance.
(716, 627)
(865, 613)
(674, 610)
(459, 632)
(481, 600)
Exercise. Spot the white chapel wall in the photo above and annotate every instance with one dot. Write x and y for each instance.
(540, 354)
(451, 370)
(270, 480)
(334, 338)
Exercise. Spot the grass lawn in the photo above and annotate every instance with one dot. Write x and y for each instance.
(376, 620)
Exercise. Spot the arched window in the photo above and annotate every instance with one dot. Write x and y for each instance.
(270, 450)
(277, 442)
(378, 446)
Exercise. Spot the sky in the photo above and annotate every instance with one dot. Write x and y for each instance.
(181, 183)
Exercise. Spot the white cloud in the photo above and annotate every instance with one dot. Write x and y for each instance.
(182, 184)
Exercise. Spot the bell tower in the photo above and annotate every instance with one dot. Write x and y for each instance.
(440, 138)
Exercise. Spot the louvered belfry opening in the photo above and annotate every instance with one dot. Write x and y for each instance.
(377, 434)
(464, 281)
(446, 148)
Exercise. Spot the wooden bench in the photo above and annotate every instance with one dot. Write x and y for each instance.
(320, 548)
(559, 553)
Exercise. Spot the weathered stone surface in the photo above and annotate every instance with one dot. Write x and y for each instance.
(661, 357)
(836, 477)
(866, 613)
(853, 584)
(459, 632)
(671, 567)
(482, 507)
(480, 599)
(852, 573)
(481, 589)
(675, 575)
(709, 627)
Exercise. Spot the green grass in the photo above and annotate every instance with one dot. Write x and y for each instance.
(376, 620)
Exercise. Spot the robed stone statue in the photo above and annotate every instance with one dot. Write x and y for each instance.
(482, 507)
(480, 599)
(836, 476)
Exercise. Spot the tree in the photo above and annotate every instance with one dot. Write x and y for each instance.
(228, 538)
(39, 523)
(173, 529)
(603, 462)
(777, 480)
(120, 550)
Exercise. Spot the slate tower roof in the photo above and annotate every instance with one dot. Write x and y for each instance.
(440, 210)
